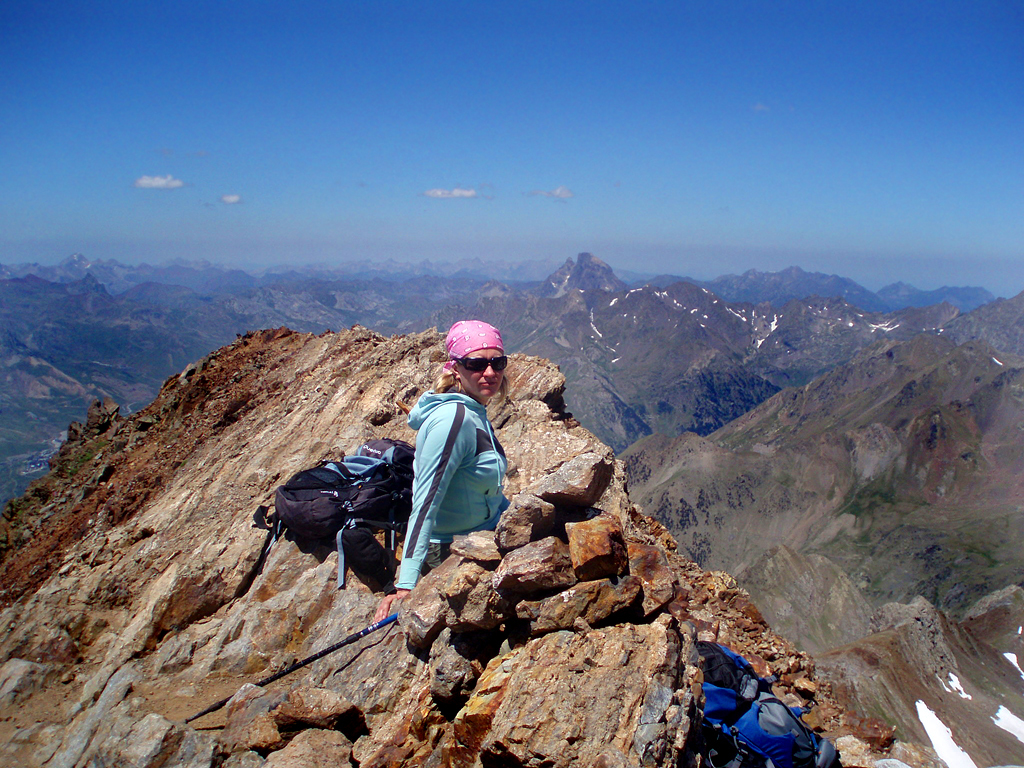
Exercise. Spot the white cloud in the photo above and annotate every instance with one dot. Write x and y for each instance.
(449, 194)
(562, 193)
(158, 182)
(759, 107)
(231, 199)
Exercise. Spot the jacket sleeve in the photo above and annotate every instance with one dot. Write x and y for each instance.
(441, 446)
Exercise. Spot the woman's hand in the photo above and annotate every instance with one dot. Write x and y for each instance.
(389, 604)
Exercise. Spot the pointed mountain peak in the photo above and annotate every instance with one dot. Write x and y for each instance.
(587, 273)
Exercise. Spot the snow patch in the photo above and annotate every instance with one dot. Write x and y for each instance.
(942, 739)
(1010, 723)
(955, 687)
(616, 359)
(996, 361)
(594, 327)
(1012, 658)
(887, 326)
(614, 302)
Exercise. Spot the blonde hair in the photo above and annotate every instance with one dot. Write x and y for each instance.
(446, 382)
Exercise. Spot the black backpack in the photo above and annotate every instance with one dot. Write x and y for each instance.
(746, 726)
(347, 501)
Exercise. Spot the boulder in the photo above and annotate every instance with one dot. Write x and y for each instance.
(536, 567)
(578, 482)
(250, 724)
(528, 518)
(597, 548)
(479, 546)
(591, 601)
(473, 601)
(313, 748)
(649, 564)
(318, 707)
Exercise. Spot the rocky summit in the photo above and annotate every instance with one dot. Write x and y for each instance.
(137, 592)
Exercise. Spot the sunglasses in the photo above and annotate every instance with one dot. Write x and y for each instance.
(479, 364)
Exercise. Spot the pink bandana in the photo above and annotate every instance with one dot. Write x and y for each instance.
(468, 336)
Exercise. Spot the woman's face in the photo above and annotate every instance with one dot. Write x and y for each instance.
(480, 385)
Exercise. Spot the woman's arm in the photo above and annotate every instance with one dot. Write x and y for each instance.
(441, 446)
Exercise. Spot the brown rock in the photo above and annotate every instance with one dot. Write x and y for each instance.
(473, 602)
(249, 722)
(915, 755)
(536, 567)
(313, 748)
(879, 735)
(567, 699)
(318, 707)
(805, 687)
(592, 601)
(424, 611)
(650, 565)
(478, 546)
(527, 519)
(597, 548)
(579, 482)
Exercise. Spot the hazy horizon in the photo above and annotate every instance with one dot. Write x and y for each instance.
(878, 143)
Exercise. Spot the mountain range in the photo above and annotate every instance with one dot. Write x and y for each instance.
(143, 323)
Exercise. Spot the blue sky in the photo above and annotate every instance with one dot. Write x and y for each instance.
(880, 141)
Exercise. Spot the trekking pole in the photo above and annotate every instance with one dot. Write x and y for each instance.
(300, 664)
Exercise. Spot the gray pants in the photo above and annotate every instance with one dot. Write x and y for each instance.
(437, 553)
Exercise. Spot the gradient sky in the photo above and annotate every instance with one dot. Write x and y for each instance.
(879, 141)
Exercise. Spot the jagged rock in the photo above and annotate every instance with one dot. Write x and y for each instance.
(319, 707)
(424, 613)
(915, 755)
(877, 734)
(313, 748)
(536, 567)
(250, 724)
(650, 565)
(247, 759)
(573, 698)
(19, 678)
(473, 601)
(591, 601)
(101, 415)
(597, 548)
(579, 482)
(479, 546)
(457, 661)
(855, 753)
(527, 519)
(150, 741)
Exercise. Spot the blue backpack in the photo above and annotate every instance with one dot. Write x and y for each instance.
(746, 726)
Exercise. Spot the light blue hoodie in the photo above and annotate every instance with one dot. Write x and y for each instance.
(459, 470)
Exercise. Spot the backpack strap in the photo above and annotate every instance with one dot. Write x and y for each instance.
(341, 556)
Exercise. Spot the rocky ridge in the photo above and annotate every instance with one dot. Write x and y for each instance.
(136, 594)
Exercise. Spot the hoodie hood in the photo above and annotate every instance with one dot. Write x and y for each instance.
(431, 400)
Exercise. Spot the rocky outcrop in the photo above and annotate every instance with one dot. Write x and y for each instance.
(919, 659)
(564, 638)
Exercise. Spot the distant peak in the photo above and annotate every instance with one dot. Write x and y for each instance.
(586, 273)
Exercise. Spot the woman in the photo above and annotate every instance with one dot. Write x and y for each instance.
(460, 465)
